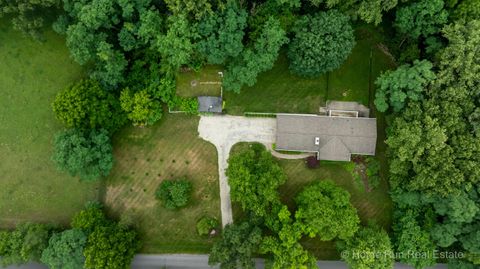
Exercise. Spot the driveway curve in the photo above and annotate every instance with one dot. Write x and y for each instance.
(224, 132)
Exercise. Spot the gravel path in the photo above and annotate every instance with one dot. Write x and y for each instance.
(224, 132)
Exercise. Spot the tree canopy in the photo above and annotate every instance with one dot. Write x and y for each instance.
(321, 43)
(87, 154)
(407, 82)
(65, 250)
(422, 18)
(326, 211)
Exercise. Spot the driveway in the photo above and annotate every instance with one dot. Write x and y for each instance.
(224, 132)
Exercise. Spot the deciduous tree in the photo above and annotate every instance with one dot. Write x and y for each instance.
(141, 108)
(321, 43)
(325, 211)
(87, 154)
(422, 18)
(65, 250)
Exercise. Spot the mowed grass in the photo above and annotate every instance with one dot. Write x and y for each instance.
(278, 90)
(373, 206)
(31, 189)
(144, 158)
(205, 82)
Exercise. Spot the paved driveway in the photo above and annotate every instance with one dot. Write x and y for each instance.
(224, 132)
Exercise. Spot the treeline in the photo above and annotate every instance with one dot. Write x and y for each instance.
(92, 242)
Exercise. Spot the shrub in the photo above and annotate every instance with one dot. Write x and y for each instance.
(206, 225)
(174, 193)
(189, 105)
(312, 162)
(373, 172)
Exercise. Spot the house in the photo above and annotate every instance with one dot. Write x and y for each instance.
(334, 136)
(210, 104)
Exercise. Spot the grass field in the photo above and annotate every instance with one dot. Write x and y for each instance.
(31, 189)
(146, 156)
(204, 82)
(374, 206)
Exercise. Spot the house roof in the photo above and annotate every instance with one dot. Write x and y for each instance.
(339, 137)
(210, 104)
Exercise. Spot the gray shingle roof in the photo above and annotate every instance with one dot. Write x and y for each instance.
(210, 104)
(339, 137)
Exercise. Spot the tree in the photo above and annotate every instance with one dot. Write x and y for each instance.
(423, 18)
(413, 242)
(467, 10)
(236, 248)
(176, 45)
(87, 154)
(407, 82)
(141, 108)
(86, 105)
(321, 43)
(254, 177)
(222, 33)
(102, 33)
(244, 69)
(65, 250)
(24, 244)
(174, 193)
(370, 11)
(325, 211)
(28, 16)
(370, 248)
(90, 218)
(194, 8)
(110, 247)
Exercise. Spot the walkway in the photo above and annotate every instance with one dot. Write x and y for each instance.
(226, 131)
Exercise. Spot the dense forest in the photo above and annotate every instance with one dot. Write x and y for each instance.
(132, 50)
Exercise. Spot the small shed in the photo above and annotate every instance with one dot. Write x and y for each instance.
(212, 104)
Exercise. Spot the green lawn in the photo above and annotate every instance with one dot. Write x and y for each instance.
(204, 82)
(277, 90)
(146, 156)
(31, 189)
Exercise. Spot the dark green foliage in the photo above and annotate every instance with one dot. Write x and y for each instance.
(244, 69)
(322, 42)
(422, 18)
(254, 177)
(407, 82)
(28, 16)
(87, 154)
(370, 248)
(222, 33)
(110, 247)
(176, 47)
(373, 172)
(206, 225)
(141, 107)
(101, 32)
(370, 11)
(24, 244)
(326, 211)
(65, 250)
(85, 105)
(190, 8)
(239, 244)
(174, 193)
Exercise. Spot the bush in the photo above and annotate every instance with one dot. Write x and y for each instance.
(174, 193)
(206, 225)
(373, 172)
(189, 105)
(312, 162)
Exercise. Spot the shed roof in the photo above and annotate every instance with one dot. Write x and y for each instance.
(339, 137)
(210, 104)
